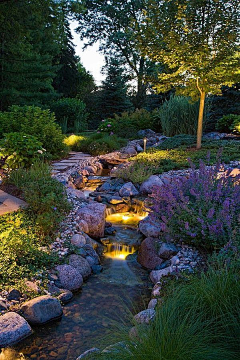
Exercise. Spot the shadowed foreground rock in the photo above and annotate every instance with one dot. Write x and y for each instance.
(42, 310)
(148, 253)
(13, 328)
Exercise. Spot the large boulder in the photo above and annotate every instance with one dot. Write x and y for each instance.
(81, 265)
(128, 189)
(94, 216)
(69, 277)
(148, 253)
(148, 186)
(146, 133)
(13, 328)
(42, 309)
(150, 227)
(167, 250)
(128, 152)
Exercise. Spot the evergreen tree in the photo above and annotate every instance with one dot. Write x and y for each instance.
(67, 79)
(28, 44)
(114, 97)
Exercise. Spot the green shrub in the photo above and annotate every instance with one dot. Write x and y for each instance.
(20, 150)
(178, 140)
(198, 320)
(107, 126)
(98, 144)
(178, 116)
(128, 124)
(46, 196)
(228, 123)
(34, 121)
(236, 125)
(21, 252)
(70, 114)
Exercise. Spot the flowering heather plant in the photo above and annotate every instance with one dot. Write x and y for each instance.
(203, 209)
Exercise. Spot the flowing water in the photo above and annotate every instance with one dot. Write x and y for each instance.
(104, 302)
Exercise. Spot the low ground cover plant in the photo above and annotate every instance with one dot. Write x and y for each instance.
(157, 161)
(20, 150)
(37, 122)
(202, 209)
(45, 195)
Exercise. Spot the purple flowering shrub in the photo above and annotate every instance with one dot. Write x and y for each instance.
(202, 210)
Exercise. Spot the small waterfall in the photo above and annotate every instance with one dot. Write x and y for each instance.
(119, 251)
(110, 210)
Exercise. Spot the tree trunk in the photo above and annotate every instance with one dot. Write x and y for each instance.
(200, 120)
(141, 87)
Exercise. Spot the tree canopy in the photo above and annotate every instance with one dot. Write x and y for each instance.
(197, 40)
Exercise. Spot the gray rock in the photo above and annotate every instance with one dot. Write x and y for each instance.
(139, 148)
(97, 269)
(14, 294)
(78, 240)
(115, 200)
(77, 180)
(167, 250)
(13, 328)
(156, 291)
(81, 265)
(65, 296)
(41, 310)
(152, 304)
(94, 216)
(88, 353)
(148, 186)
(156, 275)
(150, 227)
(175, 260)
(3, 305)
(146, 133)
(82, 225)
(128, 189)
(164, 264)
(91, 169)
(145, 316)
(128, 151)
(69, 277)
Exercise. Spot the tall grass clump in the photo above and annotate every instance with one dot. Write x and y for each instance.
(198, 320)
(178, 116)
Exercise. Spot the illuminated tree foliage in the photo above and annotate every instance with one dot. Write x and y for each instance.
(197, 41)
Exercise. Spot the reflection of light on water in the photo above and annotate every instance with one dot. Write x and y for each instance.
(119, 251)
(125, 218)
(9, 354)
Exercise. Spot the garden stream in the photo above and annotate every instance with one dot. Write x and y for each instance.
(105, 302)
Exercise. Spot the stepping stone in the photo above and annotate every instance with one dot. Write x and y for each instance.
(60, 167)
(9, 203)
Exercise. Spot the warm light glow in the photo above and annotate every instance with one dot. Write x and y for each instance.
(126, 218)
(119, 251)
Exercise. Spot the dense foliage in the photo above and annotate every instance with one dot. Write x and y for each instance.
(20, 150)
(22, 254)
(229, 123)
(45, 195)
(37, 122)
(95, 144)
(70, 114)
(202, 209)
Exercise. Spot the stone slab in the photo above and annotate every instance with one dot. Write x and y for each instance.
(9, 203)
